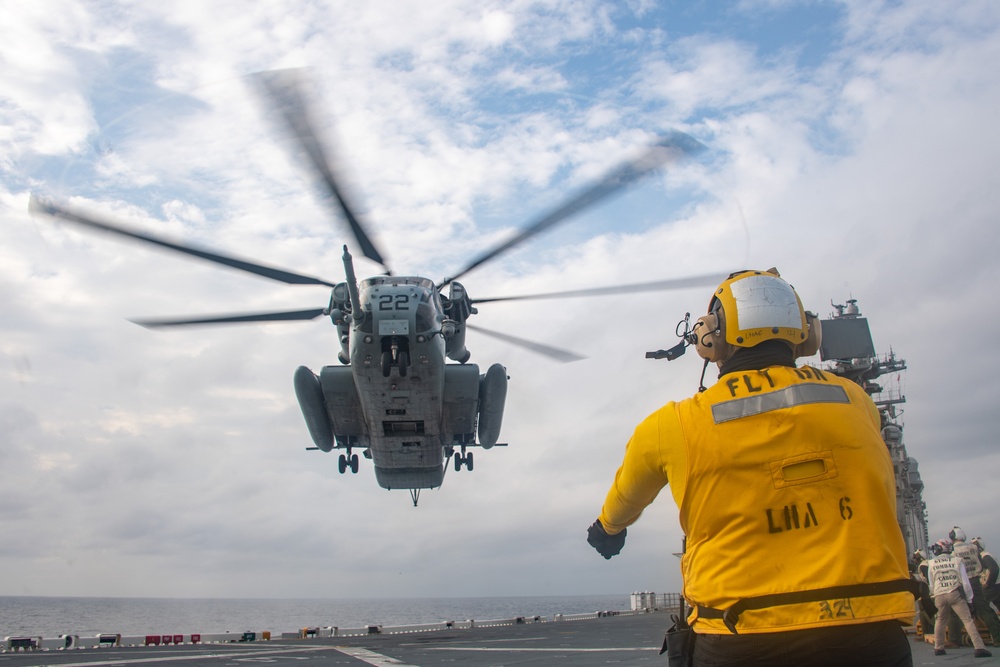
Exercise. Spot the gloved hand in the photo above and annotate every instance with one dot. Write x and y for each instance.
(606, 545)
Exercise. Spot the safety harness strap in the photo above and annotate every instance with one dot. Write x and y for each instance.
(732, 615)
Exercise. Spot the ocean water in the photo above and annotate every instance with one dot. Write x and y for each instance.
(54, 616)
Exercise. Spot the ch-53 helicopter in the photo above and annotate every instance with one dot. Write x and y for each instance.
(394, 397)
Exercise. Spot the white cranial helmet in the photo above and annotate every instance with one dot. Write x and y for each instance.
(749, 308)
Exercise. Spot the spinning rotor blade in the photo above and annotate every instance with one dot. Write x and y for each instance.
(285, 316)
(672, 283)
(669, 148)
(283, 93)
(37, 205)
(564, 356)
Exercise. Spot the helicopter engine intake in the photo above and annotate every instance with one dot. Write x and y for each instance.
(457, 307)
(340, 311)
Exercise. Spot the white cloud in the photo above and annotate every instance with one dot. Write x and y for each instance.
(700, 72)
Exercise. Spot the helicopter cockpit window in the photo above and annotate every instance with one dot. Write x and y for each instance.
(425, 283)
(367, 325)
(428, 317)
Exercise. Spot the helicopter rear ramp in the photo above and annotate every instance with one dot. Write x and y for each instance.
(409, 478)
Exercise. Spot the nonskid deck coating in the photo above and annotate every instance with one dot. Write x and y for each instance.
(618, 640)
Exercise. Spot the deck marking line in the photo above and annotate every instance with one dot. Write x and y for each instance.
(541, 650)
(196, 656)
(485, 641)
(371, 657)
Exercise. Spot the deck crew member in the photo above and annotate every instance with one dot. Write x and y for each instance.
(952, 591)
(926, 610)
(969, 553)
(785, 492)
(988, 577)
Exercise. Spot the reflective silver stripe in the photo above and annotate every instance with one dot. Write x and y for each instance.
(798, 394)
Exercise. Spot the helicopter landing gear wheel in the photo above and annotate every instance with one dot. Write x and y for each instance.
(386, 363)
(348, 462)
(403, 361)
(463, 459)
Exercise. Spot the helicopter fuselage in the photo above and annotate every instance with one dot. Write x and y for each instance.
(398, 399)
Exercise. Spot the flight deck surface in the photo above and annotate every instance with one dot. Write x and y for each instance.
(618, 640)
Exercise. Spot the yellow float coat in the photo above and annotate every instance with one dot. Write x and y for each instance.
(784, 484)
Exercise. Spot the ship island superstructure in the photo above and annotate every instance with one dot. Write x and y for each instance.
(848, 349)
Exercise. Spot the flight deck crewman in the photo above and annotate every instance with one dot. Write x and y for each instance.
(785, 492)
(988, 577)
(980, 605)
(952, 591)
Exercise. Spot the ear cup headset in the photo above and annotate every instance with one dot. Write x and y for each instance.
(709, 335)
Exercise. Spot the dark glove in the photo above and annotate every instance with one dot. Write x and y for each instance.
(606, 545)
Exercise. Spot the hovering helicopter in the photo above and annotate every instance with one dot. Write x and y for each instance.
(394, 397)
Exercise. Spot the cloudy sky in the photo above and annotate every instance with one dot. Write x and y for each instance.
(854, 145)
